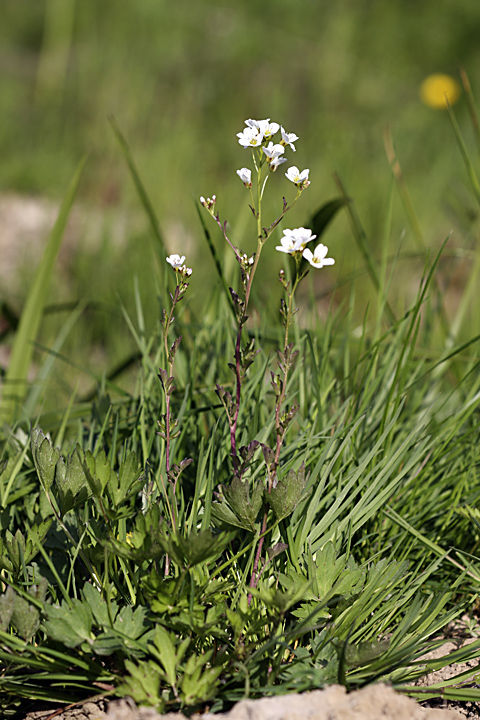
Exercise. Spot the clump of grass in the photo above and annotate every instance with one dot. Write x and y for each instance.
(287, 526)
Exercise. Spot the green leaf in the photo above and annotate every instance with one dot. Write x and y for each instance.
(131, 623)
(332, 573)
(165, 646)
(198, 547)
(364, 653)
(128, 482)
(284, 498)
(7, 604)
(143, 684)
(70, 625)
(245, 506)
(25, 618)
(14, 547)
(281, 601)
(35, 537)
(98, 606)
(325, 214)
(71, 485)
(70, 482)
(45, 457)
(198, 686)
(98, 471)
(223, 515)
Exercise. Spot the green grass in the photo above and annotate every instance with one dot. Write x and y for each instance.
(170, 77)
(347, 570)
(378, 555)
(216, 585)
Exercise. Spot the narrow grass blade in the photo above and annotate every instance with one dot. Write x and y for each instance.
(432, 546)
(411, 214)
(464, 153)
(216, 259)
(362, 242)
(140, 188)
(49, 362)
(472, 108)
(16, 378)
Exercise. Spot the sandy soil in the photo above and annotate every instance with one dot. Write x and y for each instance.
(375, 702)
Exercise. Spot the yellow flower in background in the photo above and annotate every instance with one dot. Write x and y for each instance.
(434, 89)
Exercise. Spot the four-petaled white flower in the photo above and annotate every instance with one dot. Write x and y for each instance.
(245, 176)
(295, 240)
(297, 177)
(318, 259)
(250, 137)
(267, 128)
(288, 138)
(276, 162)
(273, 151)
(176, 261)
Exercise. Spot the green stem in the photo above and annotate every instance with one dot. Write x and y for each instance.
(280, 432)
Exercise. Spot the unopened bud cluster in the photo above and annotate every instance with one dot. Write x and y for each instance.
(209, 204)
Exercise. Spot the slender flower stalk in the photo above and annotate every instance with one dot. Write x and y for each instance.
(293, 243)
(166, 424)
(267, 155)
(279, 382)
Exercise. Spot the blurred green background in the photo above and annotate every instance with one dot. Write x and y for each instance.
(180, 78)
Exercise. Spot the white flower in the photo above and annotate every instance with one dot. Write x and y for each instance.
(176, 261)
(276, 162)
(288, 138)
(245, 176)
(295, 240)
(273, 151)
(297, 177)
(250, 137)
(265, 127)
(318, 259)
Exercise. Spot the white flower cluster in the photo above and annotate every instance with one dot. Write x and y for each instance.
(295, 241)
(177, 263)
(259, 134)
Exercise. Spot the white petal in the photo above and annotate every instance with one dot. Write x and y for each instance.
(321, 251)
